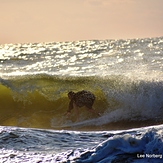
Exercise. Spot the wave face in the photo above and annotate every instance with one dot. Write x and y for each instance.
(41, 101)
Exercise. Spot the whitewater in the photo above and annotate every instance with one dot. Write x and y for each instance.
(126, 76)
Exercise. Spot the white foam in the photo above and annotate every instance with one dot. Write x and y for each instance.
(138, 145)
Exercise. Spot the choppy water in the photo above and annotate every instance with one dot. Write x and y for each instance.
(135, 57)
(126, 77)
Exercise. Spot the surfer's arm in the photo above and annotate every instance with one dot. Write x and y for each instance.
(70, 107)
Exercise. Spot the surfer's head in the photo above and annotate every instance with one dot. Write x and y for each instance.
(71, 94)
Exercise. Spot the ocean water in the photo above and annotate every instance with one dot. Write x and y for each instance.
(126, 76)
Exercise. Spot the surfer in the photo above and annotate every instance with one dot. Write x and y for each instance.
(80, 99)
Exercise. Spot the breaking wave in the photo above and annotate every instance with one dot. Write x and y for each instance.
(41, 101)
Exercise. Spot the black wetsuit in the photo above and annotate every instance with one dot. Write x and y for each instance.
(82, 98)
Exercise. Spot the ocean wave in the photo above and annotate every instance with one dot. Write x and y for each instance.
(41, 100)
(130, 147)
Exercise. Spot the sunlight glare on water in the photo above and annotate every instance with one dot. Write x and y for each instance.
(84, 58)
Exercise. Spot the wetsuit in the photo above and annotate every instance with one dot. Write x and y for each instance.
(82, 98)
